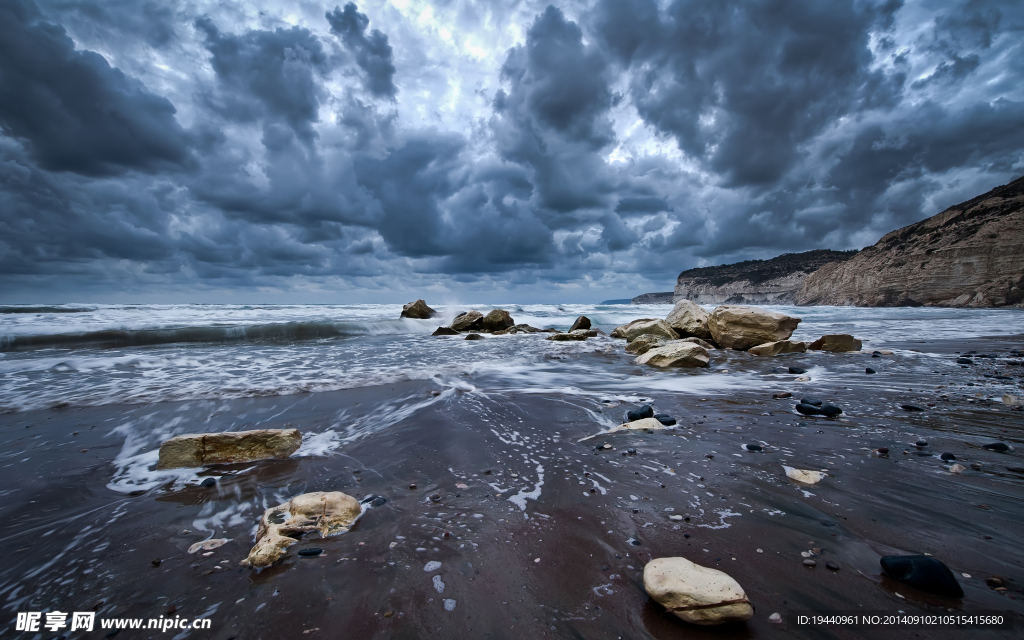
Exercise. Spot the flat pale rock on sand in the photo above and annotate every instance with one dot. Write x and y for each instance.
(327, 512)
(696, 594)
(639, 425)
(200, 449)
(803, 475)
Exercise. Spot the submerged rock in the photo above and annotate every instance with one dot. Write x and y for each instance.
(567, 337)
(739, 327)
(418, 310)
(645, 343)
(676, 354)
(808, 409)
(689, 319)
(1000, 447)
(803, 475)
(836, 342)
(910, 407)
(782, 395)
(797, 370)
(474, 336)
(777, 348)
(869, 370)
(445, 331)
(923, 573)
(582, 322)
(497, 320)
(467, 321)
(696, 594)
(200, 449)
(328, 513)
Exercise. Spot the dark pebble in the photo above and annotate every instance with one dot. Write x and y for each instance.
(797, 370)
(947, 457)
(631, 452)
(644, 411)
(910, 407)
(635, 543)
(209, 483)
(883, 450)
(686, 535)
(1003, 378)
(664, 419)
(997, 446)
(412, 486)
(310, 553)
(754, 447)
(830, 411)
(435, 497)
(921, 443)
(876, 354)
(376, 501)
(782, 396)
(445, 331)
(156, 563)
(812, 401)
(964, 361)
(1015, 469)
(923, 573)
(833, 566)
(869, 370)
(808, 409)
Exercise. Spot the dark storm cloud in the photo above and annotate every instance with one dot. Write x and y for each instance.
(742, 85)
(268, 74)
(75, 111)
(151, 20)
(372, 51)
(553, 118)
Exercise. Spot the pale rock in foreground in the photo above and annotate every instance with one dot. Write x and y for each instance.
(704, 343)
(418, 310)
(327, 512)
(676, 354)
(739, 327)
(689, 319)
(803, 475)
(200, 449)
(645, 343)
(836, 342)
(777, 348)
(696, 594)
(649, 327)
(639, 425)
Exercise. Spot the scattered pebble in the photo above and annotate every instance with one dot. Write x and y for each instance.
(910, 407)
(869, 370)
(947, 457)
(808, 562)
(775, 618)
(311, 553)
(831, 565)
(957, 468)
(433, 565)
(1000, 447)
(208, 483)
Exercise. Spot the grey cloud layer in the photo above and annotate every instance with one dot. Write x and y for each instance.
(623, 142)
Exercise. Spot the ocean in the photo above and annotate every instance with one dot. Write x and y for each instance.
(484, 452)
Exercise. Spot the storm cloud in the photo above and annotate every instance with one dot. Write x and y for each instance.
(320, 152)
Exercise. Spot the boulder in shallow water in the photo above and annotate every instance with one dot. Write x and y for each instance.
(519, 328)
(676, 354)
(445, 331)
(327, 513)
(200, 449)
(582, 322)
(777, 348)
(466, 321)
(497, 320)
(689, 319)
(418, 310)
(474, 336)
(639, 425)
(808, 409)
(740, 327)
(836, 343)
(696, 594)
(704, 343)
(830, 411)
(923, 573)
(645, 343)
(803, 475)
(649, 327)
(567, 337)
(620, 331)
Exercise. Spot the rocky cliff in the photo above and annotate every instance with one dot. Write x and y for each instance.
(774, 281)
(970, 255)
(661, 297)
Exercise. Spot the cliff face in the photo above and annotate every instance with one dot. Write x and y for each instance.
(970, 255)
(661, 297)
(774, 281)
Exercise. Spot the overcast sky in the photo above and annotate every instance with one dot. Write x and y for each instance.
(480, 151)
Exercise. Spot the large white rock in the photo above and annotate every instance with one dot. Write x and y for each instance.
(689, 319)
(645, 343)
(803, 475)
(620, 331)
(696, 594)
(638, 425)
(739, 327)
(677, 353)
(649, 327)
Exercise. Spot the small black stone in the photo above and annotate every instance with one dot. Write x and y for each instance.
(830, 411)
(997, 446)
(631, 452)
(375, 501)
(947, 457)
(435, 497)
(924, 573)
(833, 566)
(876, 354)
(911, 407)
(310, 553)
(641, 412)
(869, 370)
(808, 409)
(754, 447)
(812, 401)
(797, 370)
(664, 419)
(921, 443)
(635, 543)
(208, 483)
(686, 535)
(964, 361)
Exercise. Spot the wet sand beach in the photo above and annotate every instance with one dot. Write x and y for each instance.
(538, 533)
